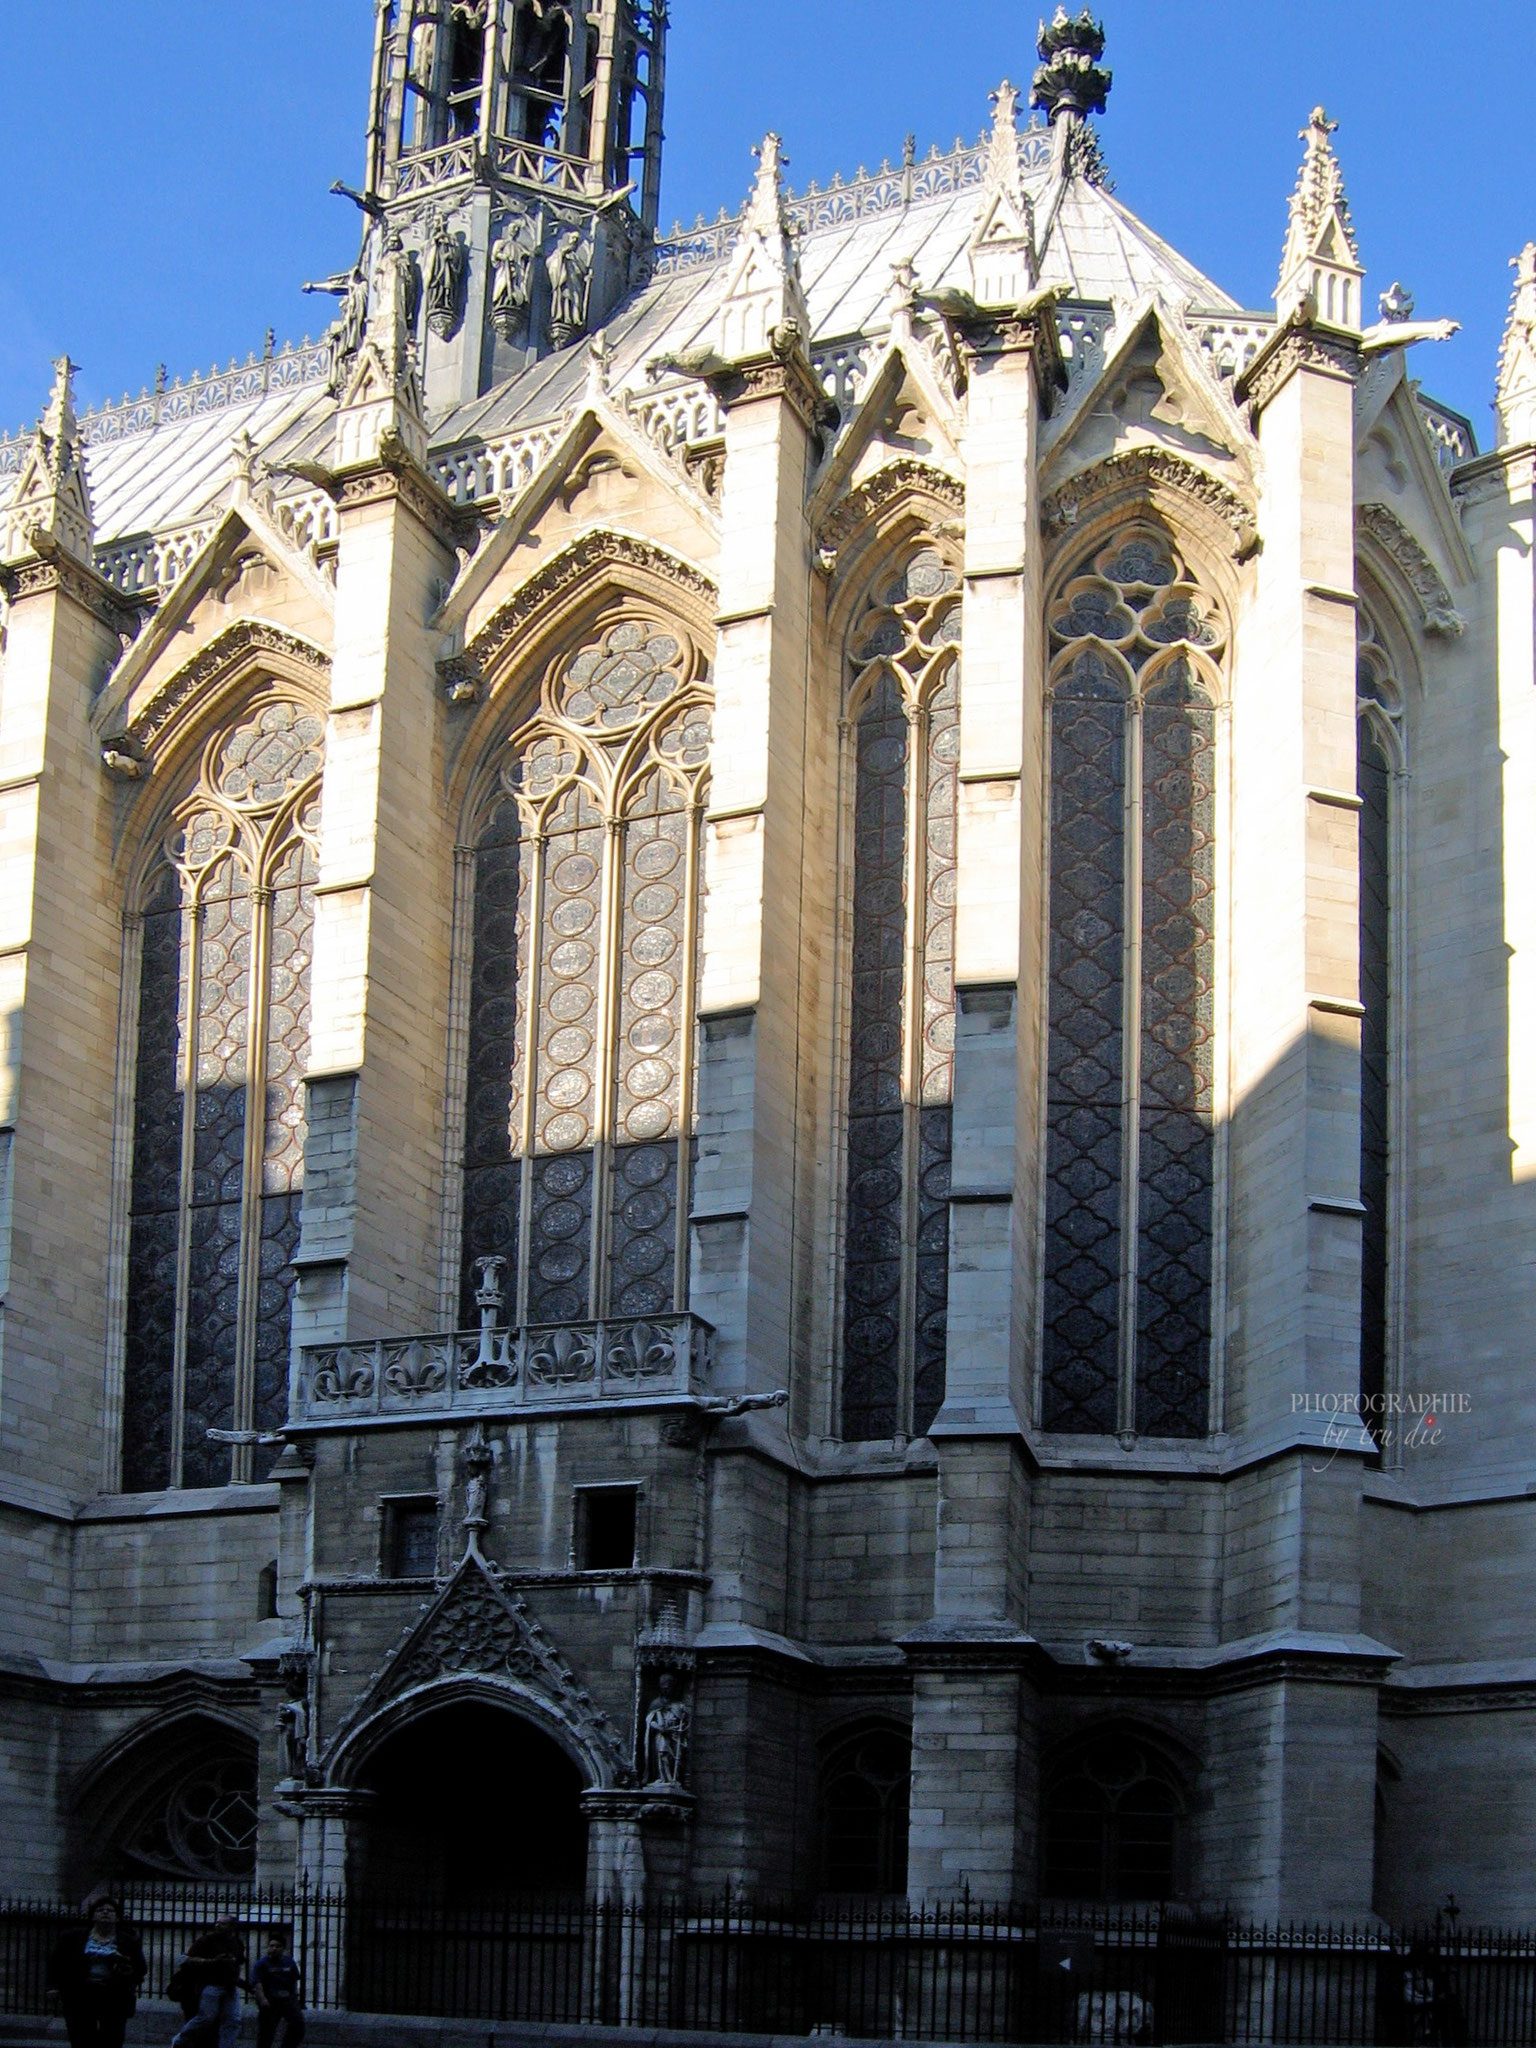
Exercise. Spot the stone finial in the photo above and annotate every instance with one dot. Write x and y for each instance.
(1515, 395)
(1003, 239)
(380, 402)
(1070, 80)
(1396, 303)
(51, 505)
(1320, 270)
(763, 294)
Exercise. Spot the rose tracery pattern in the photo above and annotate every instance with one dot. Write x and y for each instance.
(221, 1047)
(1130, 1067)
(905, 749)
(578, 1142)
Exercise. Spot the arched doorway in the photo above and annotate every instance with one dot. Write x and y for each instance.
(471, 1801)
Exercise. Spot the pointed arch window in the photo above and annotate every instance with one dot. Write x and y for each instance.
(905, 745)
(221, 1041)
(1379, 761)
(1130, 1138)
(579, 1104)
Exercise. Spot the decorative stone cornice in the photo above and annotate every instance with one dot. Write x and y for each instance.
(397, 479)
(1147, 473)
(905, 478)
(1299, 345)
(53, 569)
(1438, 613)
(464, 675)
(784, 372)
(245, 639)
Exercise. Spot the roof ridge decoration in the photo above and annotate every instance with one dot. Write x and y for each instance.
(1320, 269)
(763, 294)
(51, 506)
(1515, 393)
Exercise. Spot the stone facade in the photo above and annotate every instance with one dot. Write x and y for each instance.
(748, 977)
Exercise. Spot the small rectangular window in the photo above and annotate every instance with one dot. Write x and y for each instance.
(409, 1537)
(605, 1528)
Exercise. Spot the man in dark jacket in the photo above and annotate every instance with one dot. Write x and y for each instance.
(96, 1971)
(278, 1985)
(217, 1960)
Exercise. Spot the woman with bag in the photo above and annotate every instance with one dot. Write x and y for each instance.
(96, 1971)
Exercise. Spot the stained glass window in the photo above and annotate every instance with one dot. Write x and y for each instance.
(1379, 708)
(905, 761)
(1130, 1050)
(578, 1114)
(218, 1133)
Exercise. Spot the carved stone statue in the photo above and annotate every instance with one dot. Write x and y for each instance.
(570, 286)
(293, 1733)
(666, 1732)
(446, 262)
(512, 257)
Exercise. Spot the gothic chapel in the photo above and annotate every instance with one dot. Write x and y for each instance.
(768, 1009)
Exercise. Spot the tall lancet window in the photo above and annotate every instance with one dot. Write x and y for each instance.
(1130, 1143)
(221, 1043)
(1379, 764)
(579, 1105)
(904, 709)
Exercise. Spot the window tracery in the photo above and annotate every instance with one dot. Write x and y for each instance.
(1379, 758)
(1130, 1150)
(1112, 1817)
(579, 1110)
(905, 746)
(218, 1130)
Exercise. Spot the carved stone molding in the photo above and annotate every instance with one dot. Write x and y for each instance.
(786, 374)
(477, 1628)
(463, 675)
(1147, 473)
(896, 480)
(245, 638)
(399, 481)
(1438, 613)
(1036, 333)
(1300, 347)
(60, 571)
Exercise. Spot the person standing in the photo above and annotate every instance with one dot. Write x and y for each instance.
(96, 1971)
(278, 1984)
(217, 1958)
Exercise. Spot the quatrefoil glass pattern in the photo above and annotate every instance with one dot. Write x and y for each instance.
(578, 1143)
(902, 999)
(221, 1046)
(1132, 774)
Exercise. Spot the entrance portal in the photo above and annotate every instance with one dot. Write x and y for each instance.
(472, 1801)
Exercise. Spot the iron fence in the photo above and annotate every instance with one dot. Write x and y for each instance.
(960, 1971)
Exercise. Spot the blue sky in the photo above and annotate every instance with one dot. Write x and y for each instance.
(165, 163)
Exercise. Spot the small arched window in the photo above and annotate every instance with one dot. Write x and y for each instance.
(1112, 1815)
(1379, 703)
(221, 1044)
(579, 1104)
(1131, 1034)
(905, 699)
(865, 1789)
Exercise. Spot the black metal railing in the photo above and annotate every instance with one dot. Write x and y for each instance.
(879, 1969)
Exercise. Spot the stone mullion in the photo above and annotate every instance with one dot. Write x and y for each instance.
(532, 980)
(912, 1051)
(461, 971)
(251, 1173)
(604, 1063)
(687, 1024)
(121, 1215)
(1130, 1074)
(191, 981)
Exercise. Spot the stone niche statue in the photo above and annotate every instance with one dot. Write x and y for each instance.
(444, 285)
(570, 286)
(512, 259)
(293, 1735)
(666, 1732)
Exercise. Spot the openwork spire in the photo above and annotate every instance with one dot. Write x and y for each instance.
(763, 299)
(51, 506)
(1320, 270)
(1515, 397)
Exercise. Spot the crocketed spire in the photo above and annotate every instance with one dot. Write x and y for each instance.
(51, 504)
(1515, 397)
(1320, 270)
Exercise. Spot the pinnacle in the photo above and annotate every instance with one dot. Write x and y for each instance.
(1071, 80)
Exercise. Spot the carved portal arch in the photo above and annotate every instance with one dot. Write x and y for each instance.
(218, 940)
(1137, 650)
(900, 773)
(1215, 524)
(360, 1740)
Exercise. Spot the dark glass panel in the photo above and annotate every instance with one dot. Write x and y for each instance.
(493, 1085)
(1375, 783)
(156, 1199)
(936, 1117)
